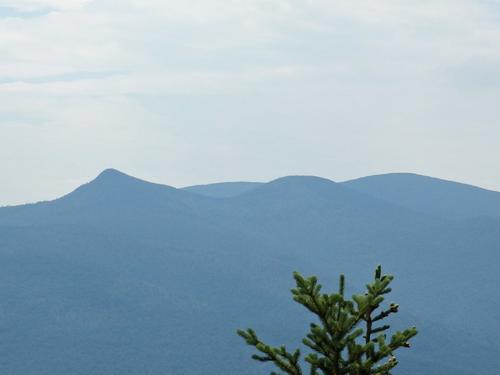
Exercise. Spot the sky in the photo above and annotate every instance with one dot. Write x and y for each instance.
(185, 92)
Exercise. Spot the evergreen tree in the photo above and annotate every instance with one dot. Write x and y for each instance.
(349, 336)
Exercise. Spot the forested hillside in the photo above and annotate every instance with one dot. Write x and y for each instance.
(123, 276)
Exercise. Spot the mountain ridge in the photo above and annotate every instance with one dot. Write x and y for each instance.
(430, 195)
(123, 275)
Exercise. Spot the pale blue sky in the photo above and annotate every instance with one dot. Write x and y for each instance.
(195, 91)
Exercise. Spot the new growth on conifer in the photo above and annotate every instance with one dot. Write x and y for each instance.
(349, 336)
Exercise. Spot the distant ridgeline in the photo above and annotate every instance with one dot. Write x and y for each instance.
(123, 276)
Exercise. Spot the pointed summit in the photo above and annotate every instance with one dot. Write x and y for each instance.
(111, 174)
(114, 185)
(111, 177)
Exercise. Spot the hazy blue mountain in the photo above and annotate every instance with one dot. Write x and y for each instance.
(123, 276)
(223, 189)
(431, 195)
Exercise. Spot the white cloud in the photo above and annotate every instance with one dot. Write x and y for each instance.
(347, 71)
(33, 5)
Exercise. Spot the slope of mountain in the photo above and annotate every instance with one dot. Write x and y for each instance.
(125, 277)
(111, 193)
(430, 195)
(223, 189)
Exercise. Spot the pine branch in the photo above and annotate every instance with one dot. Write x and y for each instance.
(393, 308)
(339, 346)
(285, 361)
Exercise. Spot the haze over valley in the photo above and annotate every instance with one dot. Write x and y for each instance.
(126, 276)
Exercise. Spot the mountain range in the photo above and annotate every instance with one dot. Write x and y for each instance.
(124, 276)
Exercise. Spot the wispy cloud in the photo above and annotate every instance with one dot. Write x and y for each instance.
(36, 5)
(379, 76)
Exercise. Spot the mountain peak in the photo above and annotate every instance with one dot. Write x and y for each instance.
(114, 177)
(444, 198)
(302, 181)
(111, 173)
(112, 182)
(296, 185)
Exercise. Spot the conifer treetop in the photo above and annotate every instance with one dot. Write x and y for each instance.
(348, 337)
